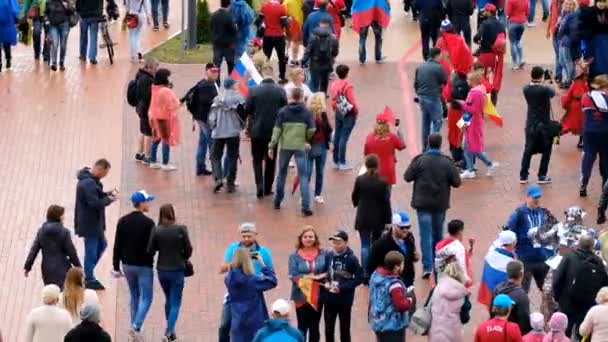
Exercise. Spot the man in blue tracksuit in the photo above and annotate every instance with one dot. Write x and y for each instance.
(524, 222)
(314, 19)
(431, 13)
(248, 240)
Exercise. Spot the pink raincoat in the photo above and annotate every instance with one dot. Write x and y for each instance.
(473, 134)
(163, 106)
(446, 304)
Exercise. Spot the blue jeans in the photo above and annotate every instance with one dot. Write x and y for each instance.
(141, 283)
(367, 239)
(469, 158)
(302, 166)
(558, 66)
(565, 61)
(316, 160)
(319, 80)
(430, 226)
(225, 321)
(93, 250)
(204, 141)
(532, 11)
(59, 41)
(516, 31)
(377, 29)
(342, 130)
(432, 116)
(165, 151)
(38, 43)
(165, 9)
(172, 283)
(135, 36)
(89, 28)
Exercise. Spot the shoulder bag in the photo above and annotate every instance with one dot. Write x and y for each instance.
(188, 267)
(133, 19)
(420, 323)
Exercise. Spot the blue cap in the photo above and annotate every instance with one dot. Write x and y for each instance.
(401, 219)
(534, 191)
(229, 83)
(141, 196)
(503, 301)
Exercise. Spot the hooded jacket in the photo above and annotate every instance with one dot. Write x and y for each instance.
(90, 208)
(293, 127)
(226, 118)
(448, 299)
(58, 253)
(312, 22)
(203, 94)
(387, 243)
(347, 272)
(262, 106)
(489, 30)
(144, 81)
(319, 62)
(278, 330)
(247, 305)
(520, 313)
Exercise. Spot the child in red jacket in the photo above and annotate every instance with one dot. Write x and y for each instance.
(572, 121)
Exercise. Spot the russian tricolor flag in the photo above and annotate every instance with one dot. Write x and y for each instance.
(494, 272)
(364, 12)
(245, 72)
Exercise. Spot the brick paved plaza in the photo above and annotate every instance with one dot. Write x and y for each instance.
(55, 123)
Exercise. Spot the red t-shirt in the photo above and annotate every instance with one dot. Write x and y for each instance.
(273, 11)
(385, 148)
(498, 330)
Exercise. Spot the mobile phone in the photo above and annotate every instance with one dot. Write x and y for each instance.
(397, 122)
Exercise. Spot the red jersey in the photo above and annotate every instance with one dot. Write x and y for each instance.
(273, 11)
(385, 148)
(498, 330)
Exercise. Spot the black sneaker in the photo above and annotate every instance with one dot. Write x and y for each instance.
(8, 64)
(205, 172)
(82, 58)
(94, 285)
(218, 186)
(259, 194)
(277, 206)
(61, 67)
(544, 180)
(54, 67)
(155, 28)
(231, 188)
(545, 18)
(307, 212)
(93, 61)
(166, 25)
(582, 191)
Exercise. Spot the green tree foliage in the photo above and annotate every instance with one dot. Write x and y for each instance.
(203, 14)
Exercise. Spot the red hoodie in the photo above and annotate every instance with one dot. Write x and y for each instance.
(517, 11)
(345, 87)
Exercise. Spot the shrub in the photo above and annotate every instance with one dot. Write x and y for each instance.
(203, 16)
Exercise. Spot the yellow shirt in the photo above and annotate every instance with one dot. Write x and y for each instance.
(294, 10)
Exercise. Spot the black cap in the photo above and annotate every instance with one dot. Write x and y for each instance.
(340, 235)
(210, 66)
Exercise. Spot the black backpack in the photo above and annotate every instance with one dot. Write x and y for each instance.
(132, 97)
(324, 53)
(589, 278)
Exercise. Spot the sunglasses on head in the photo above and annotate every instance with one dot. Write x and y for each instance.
(404, 227)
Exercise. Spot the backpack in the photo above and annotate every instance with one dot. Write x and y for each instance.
(589, 278)
(132, 98)
(343, 106)
(324, 53)
(192, 100)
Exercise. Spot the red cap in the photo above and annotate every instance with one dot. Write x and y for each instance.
(386, 116)
(489, 8)
(256, 42)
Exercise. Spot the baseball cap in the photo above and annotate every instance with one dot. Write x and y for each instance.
(256, 42)
(401, 219)
(489, 8)
(281, 306)
(534, 191)
(212, 67)
(247, 227)
(505, 237)
(339, 235)
(502, 301)
(141, 196)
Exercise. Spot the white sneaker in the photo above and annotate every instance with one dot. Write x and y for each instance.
(531, 24)
(336, 166)
(156, 166)
(492, 168)
(135, 336)
(345, 167)
(468, 174)
(319, 199)
(169, 167)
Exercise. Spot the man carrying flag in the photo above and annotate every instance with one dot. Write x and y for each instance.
(495, 265)
(374, 13)
(246, 74)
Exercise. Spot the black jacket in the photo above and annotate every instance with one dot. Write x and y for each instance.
(520, 314)
(90, 208)
(564, 276)
(173, 245)
(143, 81)
(262, 106)
(131, 241)
(224, 32)
(314, 53)
(385, 244)
(89, 8)
(202, 94)
(57, 12)
(87, 332)
(372, 199)
(433, 174)
(488, 31)
(459, 8)
(347, 272)
(58, 253)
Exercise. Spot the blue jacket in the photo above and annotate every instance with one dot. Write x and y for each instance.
(382, 314)
(299, 267)
(9, 13)
(265, 252)
(90, 208)
(520, 222)
(247, 305)
(312, 22)
(347, 272)
(430, 8)
(567, 32)
(278, 330)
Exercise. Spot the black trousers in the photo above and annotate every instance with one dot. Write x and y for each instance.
(308, 321)
(429, 31)
(391, 336)
(224, 53)
(263, 166)
(278, 44)
(462, 25)
(536, 144)
(575, 318)
(232, 154)
(332, 312)
(7, 53)
(538, 271)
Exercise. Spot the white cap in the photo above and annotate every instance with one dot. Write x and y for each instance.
(281, 306)
(505, 237)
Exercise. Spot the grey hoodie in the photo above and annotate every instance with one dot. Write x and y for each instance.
(226, 118)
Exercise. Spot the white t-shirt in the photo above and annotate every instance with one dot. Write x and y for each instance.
(289, 87)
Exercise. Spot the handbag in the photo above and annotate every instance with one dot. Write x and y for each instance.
(188, 269)
(133, 19)
(420, 323)
(73, 19)
(33, 12)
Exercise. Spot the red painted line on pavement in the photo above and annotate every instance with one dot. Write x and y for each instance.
(410, 112)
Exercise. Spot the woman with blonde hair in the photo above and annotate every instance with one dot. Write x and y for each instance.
(596, 320)
(74, 295)
(296, 80)
(246, 293)
(319, 143)
(450, 305)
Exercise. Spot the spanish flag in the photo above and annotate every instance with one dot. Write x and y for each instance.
(311, 289)
(490, 110)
